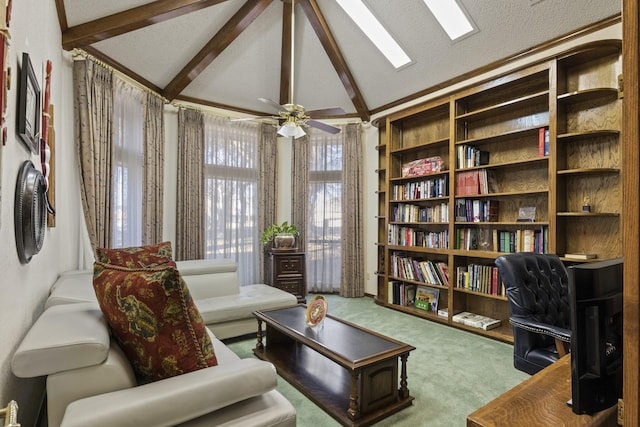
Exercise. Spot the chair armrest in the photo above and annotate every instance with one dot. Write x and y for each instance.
(174, 400)
(532, 325)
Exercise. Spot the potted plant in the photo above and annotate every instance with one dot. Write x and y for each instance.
(283, 236)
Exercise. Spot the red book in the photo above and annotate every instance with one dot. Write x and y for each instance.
(541, 142)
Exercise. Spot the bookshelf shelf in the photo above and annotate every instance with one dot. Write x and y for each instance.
(517, 163)
(577, 136)
(512, 135)
(605, 94)
(588, 214)
(539, 98)
(502, 194)
(545, 136)
(588, 171)
(482, 294)
(418, 178)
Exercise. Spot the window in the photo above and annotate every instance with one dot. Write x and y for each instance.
(128, 119)
(230, 188)
(324, 226)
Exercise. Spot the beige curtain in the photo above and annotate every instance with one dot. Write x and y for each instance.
(267, 185)
(93, 113)
(352, 282)
(189, 204)
(153, 170)
(299, 187)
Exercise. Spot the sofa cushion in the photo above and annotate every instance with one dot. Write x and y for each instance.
(72, 287)
(155, 320)
(209, 278)
(242, 306)
(64, 337)
(137, 257)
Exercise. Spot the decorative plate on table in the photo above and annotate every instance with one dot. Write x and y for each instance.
(316, 310)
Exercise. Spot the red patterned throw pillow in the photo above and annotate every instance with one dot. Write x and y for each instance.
(138, 257)
(154, 319)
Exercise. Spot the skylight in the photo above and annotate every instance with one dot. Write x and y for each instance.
(450, 16)
(369, 24)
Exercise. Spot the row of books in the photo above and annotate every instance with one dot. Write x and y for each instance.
(480, 278)
(424, 189)
(468, 156)
(508, 241)
(426, 271)
(476, 320)
(413, 213)
(522, 240)
(474, 182)
(475, 210)
(408, 236)
(401, 293)
(407, 294)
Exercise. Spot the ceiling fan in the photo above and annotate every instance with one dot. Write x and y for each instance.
(293, 117)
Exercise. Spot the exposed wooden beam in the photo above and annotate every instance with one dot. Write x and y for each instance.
(319, 24)
(285, 58)
(129, 20)
(223, 38)
(62, 15)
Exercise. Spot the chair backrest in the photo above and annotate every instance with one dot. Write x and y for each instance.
(536, 286)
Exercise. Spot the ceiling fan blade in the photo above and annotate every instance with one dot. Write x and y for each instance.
(326, 112)
(323, 126)
(273, 103)
(246, 119)
(260, 119)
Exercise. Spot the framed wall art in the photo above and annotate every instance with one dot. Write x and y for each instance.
(29, 106)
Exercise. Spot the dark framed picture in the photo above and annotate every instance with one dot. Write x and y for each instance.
(29, 106)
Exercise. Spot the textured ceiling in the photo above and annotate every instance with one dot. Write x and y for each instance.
(249, 66)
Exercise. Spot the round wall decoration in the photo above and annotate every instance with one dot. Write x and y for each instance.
(30, 212)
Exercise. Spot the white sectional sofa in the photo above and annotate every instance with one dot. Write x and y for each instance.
(91, 382)
(225, 306)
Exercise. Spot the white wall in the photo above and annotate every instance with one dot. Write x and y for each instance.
(23, 288)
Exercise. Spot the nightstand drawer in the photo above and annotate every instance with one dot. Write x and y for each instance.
(291, 285)
(289, 265)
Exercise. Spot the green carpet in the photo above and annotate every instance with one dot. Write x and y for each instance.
(450, 374)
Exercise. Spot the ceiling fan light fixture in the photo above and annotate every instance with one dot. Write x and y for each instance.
(291, 129)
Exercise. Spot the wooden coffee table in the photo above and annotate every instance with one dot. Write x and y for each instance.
(347, 370)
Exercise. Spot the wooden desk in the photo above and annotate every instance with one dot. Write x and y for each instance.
(541, 401)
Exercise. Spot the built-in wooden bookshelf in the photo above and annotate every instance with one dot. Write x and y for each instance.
(545, 136)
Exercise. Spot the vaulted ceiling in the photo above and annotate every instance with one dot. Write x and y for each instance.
(228, 53)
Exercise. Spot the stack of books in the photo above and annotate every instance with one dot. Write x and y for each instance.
(476, 320)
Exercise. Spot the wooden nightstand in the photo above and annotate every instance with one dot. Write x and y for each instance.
(288, 273)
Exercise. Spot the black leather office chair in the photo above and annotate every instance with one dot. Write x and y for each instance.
(537, 289)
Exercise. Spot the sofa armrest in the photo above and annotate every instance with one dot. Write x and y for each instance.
(532, 325)
(174, 400)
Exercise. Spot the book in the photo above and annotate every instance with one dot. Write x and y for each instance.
(543, 142)
(582, 256)
(427, 298)
(482, 322)
(459, 317)
(476, 320)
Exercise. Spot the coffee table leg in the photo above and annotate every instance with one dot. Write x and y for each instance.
(404, 391)
(259, 346)
(354, 412)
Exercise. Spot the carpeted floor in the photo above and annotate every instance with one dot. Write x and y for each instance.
(450, 374)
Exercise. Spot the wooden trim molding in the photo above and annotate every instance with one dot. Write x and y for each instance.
(631, 209)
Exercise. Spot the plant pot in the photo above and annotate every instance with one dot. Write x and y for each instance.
(284, 241)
